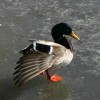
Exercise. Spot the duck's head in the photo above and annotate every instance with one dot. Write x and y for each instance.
(61, 30)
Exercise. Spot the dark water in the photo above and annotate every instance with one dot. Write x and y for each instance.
(21, 20)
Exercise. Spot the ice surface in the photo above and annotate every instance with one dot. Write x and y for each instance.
(21, 20)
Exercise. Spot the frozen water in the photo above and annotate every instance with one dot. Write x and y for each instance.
(21, 20)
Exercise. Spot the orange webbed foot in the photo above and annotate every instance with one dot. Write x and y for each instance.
(55, 78)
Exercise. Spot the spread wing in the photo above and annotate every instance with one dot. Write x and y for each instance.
(31, 65)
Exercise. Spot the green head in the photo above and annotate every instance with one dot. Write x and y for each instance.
(61, 30)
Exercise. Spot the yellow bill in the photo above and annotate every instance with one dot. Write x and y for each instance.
(74, 36)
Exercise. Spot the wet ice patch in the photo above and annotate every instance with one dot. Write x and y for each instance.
(66, 12)
(0, 25)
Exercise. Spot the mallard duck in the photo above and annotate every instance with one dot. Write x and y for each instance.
(41, 55)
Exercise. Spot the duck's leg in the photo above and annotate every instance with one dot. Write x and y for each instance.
(53, 78)
(42, 73)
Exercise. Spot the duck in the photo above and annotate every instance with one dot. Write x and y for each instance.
(41, 56)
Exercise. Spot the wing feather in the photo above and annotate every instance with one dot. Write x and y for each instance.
(32, 64)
